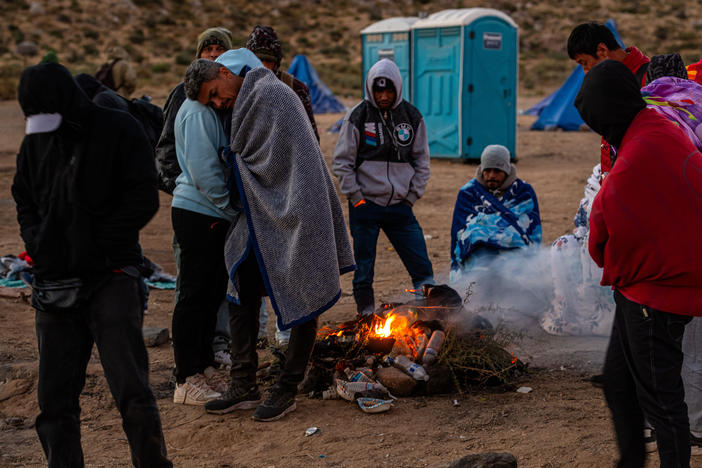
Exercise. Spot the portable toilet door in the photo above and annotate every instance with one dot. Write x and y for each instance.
(464, 80)
(389, 38)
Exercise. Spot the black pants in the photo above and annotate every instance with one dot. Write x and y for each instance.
(642, 375)
(201, 285)
(243, 322)
(112, 319)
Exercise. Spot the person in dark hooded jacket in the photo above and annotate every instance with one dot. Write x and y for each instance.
(644, 232)
(101, 94)
(84, 187)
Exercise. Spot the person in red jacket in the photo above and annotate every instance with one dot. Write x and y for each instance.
(590, 44)
(644, 231)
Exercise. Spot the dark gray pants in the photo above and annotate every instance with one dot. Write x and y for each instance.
(112, 319)
(243, 323)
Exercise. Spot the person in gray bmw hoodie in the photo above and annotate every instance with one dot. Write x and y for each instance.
(382, 162)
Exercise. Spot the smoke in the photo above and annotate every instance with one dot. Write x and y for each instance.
(554, 289)
(513, 288)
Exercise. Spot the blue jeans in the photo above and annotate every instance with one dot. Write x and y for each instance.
(406, 236)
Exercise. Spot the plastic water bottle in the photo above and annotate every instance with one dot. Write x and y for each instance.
(433, 347)
(410, 368)
(421, 342)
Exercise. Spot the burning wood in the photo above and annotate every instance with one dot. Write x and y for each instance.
(416, 339)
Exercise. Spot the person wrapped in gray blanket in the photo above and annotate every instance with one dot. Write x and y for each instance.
(289, 240)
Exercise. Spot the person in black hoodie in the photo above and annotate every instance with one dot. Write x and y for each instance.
(84, 187)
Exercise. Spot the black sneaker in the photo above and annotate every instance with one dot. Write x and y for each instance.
(237, 397)
(278, 403)
(695, 445)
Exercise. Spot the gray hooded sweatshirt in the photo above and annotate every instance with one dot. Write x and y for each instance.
(382, 156)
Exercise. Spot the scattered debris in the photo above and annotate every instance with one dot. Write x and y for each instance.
(374, 405)
(524, 389)
(310, 431)
(482, 460)
(155, 336)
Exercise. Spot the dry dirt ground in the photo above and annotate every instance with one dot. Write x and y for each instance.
(562, 422)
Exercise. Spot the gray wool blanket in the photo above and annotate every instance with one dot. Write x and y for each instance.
(293, 222)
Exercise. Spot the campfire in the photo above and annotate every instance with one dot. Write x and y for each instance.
(380, 334)
(406, 349)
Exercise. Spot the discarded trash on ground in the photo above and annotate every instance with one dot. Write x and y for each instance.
(406, 349)
(374, 405)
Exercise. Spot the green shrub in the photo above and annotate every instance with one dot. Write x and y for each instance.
(9, 78)
(17, 33)
(90, 49)
(92, 34)
(335, 51)
(336, 35)
(184, 58)
(136, 36)
(661, 32)
(162, 67)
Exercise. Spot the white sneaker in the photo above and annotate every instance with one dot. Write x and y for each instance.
(224, 358)
(194, 391)
(215, 380)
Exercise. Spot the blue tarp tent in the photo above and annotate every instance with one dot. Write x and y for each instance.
(558, 110)
(323, 100)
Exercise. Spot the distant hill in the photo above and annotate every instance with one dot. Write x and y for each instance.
(160, 34)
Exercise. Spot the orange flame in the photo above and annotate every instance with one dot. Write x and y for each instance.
(384, 330)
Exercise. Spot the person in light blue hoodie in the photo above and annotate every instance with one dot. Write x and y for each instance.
(201, 215)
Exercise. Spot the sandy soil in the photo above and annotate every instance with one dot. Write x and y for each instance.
(562, 422)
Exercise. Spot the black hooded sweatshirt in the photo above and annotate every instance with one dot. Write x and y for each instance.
(84, 190)
(609, 99)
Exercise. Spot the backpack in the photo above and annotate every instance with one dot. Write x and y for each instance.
(104, 74)
(149, 115)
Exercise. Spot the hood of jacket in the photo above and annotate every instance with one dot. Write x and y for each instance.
(90, 85)
(239, 60)
(219, 35)
(49, 88)
(384, 68)
(609, 99)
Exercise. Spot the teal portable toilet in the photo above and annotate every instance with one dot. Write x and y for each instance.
(389, 38)
(464, 80)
